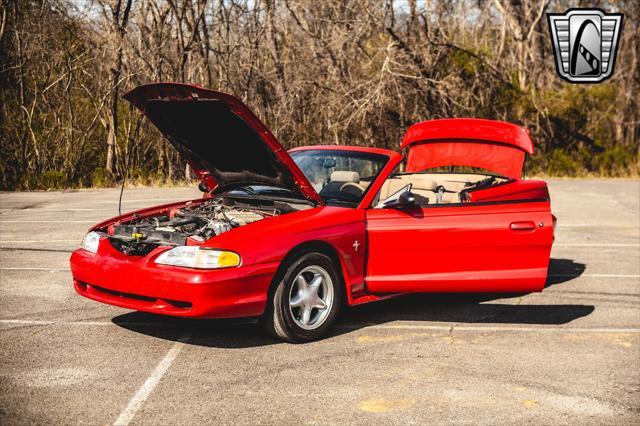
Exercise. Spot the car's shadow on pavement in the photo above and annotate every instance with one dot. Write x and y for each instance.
(209, 333)
(458, 308)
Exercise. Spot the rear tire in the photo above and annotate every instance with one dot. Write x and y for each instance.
(306, 299)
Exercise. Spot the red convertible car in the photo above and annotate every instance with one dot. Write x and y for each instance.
(291, 237)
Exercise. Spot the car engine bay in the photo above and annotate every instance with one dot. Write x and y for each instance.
(192, 224)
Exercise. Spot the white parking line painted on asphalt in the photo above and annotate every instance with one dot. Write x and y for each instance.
(455, 327)
(149, 385)
(593, 225)
(37, 269)
(144, 200)
(594, 275)
(603, 245)
(38, 241)
(37, 211)
(58, 210)
(48, 322)
(110, 201)
(47, 221)
(81, 323)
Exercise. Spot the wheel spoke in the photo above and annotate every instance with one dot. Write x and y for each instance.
(314, 287)
(296, 302)
(302, 283)
(306, 315)
(319, 303)
(316, 281)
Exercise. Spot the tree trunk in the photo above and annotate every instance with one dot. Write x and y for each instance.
(119, 29)
(113, 124)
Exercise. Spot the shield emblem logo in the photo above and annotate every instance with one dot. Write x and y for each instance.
(585, 42)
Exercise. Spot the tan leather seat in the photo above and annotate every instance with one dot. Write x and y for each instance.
(390, 187)
(422, 189)
(345, 181)
(423, 186)
(345, 176)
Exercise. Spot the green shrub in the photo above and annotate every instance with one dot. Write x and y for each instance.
(101, 178)
(51, 179)
(561, 164)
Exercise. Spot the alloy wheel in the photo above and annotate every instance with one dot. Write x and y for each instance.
(311, 297)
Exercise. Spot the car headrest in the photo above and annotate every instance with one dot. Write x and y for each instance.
(391, 186)
(345, 176)
(424, 183)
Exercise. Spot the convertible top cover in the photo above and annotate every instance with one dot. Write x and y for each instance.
(492, 145)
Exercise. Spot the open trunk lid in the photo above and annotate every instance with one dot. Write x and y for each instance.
(492, 145)
(225, 143)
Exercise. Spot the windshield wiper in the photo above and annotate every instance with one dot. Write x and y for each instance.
(339, 200)
(249, 190)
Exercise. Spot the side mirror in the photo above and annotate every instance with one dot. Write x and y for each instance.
(404, 201)
(202, 187)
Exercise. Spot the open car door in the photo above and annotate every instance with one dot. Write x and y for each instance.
(468, 245)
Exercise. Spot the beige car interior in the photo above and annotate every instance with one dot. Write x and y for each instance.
(428, 188)
(349, 182)
(431, 188)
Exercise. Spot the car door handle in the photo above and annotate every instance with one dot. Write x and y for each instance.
(523, 226)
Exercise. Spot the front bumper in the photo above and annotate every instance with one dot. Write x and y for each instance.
(131, 282)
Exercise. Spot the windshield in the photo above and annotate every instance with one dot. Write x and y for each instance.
(261, 190)
(340, 176)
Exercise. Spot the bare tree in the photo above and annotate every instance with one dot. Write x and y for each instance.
(119, 15)
(331, 72)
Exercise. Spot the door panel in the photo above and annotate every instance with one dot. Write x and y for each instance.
(463, 248)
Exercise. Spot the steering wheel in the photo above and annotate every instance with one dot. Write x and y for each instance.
(352, 188)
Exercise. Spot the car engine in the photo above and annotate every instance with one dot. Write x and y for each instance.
(198, 223)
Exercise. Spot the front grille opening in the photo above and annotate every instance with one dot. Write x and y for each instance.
(179, 304)
(127, 295)
(175, 303)
(132, 248)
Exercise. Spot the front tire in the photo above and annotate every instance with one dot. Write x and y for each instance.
(306, 300)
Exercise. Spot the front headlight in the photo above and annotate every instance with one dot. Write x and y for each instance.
(90, 242)
(197, 257)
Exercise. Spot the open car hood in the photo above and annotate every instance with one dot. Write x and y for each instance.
(492, 145)
(225, 143)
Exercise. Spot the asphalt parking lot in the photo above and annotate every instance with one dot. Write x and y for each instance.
(570, 354)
